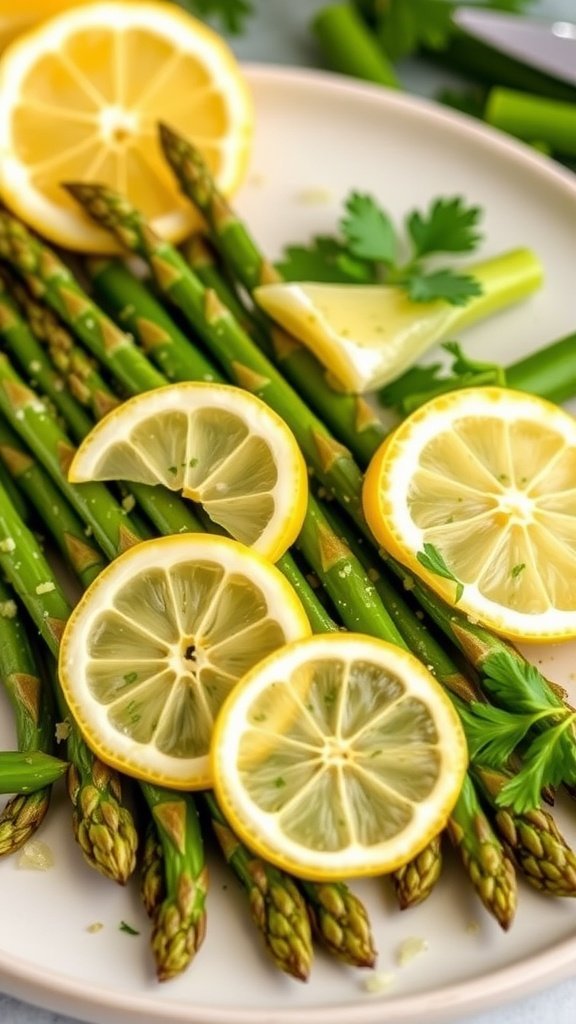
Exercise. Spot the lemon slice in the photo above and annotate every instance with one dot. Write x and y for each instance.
(80, 95)
(219, 445)
(338, 756)
(158, 641)
(476, 493)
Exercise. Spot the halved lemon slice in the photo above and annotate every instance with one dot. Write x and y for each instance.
(80, 96)
(158, 641)
(476, 493)
(219, 445)
(338, 756)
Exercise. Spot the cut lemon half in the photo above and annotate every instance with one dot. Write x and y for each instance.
(338, 756)
(476, 493)
(80, 95)
(219, 446)
(158, 641)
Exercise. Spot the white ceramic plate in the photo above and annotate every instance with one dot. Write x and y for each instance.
(317, 137)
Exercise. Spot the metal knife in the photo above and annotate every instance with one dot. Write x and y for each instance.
(549, 46)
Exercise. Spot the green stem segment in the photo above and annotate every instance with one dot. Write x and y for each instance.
(534, 117)
(179, 919)
(349, 46)
(27, 773)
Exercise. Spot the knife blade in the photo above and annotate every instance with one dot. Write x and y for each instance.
(549, 46)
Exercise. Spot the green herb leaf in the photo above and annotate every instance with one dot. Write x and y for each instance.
(514, 683)
(368, 230)
(128, 928)
(449, 225)
(493, 733)
(432, 559)
(457, 289)
(326, 260)
(544, 764)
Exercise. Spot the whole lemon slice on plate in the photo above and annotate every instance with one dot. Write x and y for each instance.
(220, 446)
(476, 493)
(80, 96)
(158, 641)
(338, 756)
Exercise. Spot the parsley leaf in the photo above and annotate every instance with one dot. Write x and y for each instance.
(325, 259)
(544, 764)
(449, 225)
(514, 683)
(124, 927)
(492, 733)
(422, 383)
(433, 560)
(442, 284)
(368, 230)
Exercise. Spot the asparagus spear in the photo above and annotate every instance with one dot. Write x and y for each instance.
(102, 825)
(340, 922)
(276, 904)
(179, 917)
(28, 773)
(225, 338)
(415, 880)
(533, 838)
(19, 341)
(62, 522)
(34, 716)
(489, 867)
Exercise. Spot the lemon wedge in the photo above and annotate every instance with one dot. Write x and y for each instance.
(220, 446)
(80, 95)
(367, 335)
(338, 756)
(158, 641)
(476, 493)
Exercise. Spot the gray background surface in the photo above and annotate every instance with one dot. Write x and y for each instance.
(279, 34)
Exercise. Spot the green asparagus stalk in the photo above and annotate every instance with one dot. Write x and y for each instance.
(489, 867)
(28, 773)
(179, 918)
(352, 420)
(350, 47)
(533, 838)
(64, 525)
(340, 922)
(102, 825)
(152, 878)
(131, 303)
(225, 338)
(203, 260)
(84, 383)
(18, 340)
(34, 718)
(414, 881)
(30, 418)
(276, 904)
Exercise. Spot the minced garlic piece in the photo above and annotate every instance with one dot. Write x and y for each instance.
(96, 927)
(8, 609)
(62, 731)
(45, 588)
(410, 948)
(378, 982)
(36, 855)
(8, 545)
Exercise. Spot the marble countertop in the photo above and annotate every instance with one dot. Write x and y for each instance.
(279, 34)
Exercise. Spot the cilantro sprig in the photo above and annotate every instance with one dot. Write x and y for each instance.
(422, 383)
(370, 249)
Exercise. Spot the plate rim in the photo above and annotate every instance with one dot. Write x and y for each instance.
(58, 992)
